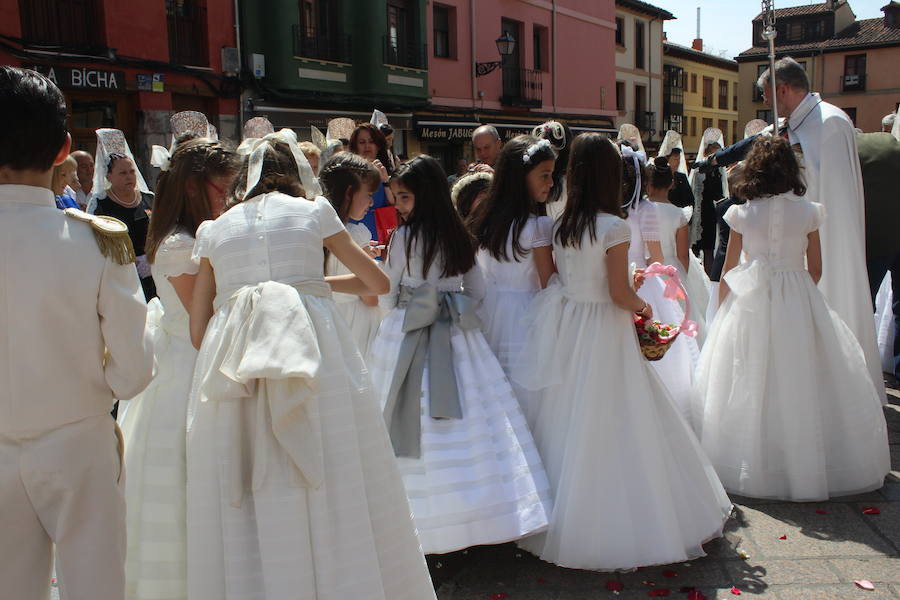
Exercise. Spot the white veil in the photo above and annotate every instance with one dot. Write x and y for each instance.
(110, 141)
(895, 131)
(753, 127)
(670, 142)
(630, 133)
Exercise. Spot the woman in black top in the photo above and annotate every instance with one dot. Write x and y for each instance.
(124, 201)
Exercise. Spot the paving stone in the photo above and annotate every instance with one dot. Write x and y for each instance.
(887, 523)
(891, 491)
(845, 591)
(884, 569)
(723, 593)
(700, 573)
(841, 532)
(752, 574)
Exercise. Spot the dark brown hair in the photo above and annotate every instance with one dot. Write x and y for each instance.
(341, 177)
(659, 173)
(509, 204)
(593, 185)
(178, 204)
(279, 174)
(377, 137)
(433, 222)
(770, 169)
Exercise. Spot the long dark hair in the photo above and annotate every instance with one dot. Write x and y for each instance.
(594, 185)
(560, 137)
(180, 204)
(509, 204)
(433, 222)
(341, 177)
(377, 137)
(279, 174)
(770, 169)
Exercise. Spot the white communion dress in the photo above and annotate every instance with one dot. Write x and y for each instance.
(632, 485)
(362, 319)
(477, 479)
(510, 286)
(670, 219)
(292, 487)
(153, 427)
(784, 404)
(676, 368)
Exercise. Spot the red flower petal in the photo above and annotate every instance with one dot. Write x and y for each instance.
(784, 537)
(614, 585)
(871, 510)
(659, 592)
(864, 584)
(696, 595)
(669, 573)
(541, 580)
(735, 591)
(499, 596)
(821, 512)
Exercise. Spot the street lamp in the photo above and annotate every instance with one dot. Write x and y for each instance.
(506, 44)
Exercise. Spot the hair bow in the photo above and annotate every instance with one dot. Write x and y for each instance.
(638, 157)
(674, 290)
(256, 148)
(160, 157)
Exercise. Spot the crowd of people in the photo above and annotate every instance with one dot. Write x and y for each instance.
(329, 362)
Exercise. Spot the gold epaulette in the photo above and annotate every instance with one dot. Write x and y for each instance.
(111, 235)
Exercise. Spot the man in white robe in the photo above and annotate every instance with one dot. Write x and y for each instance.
(72, 338)
(827, 139)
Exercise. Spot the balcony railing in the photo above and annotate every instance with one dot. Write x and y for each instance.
(405, 54)
(522, 87)
(321, 45)
(853, 83)
(646, 121)
(187, 33)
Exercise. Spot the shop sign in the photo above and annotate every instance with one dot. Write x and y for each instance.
(67, 78)
(445, 133)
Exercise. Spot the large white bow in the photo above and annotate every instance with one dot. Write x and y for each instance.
(639, 158)
(256, 148)
(160, 157)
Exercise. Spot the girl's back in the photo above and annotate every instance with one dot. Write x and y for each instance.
(670, 219)
(271, 237)
(583, 270)
(521, 274)
(775, 229)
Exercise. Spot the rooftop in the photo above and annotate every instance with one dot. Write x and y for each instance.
(861, 34)
(673, 49)
(802, 10)
(646, 8)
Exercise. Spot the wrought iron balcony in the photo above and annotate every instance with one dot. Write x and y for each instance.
(646, 121)
(853, 83)
(321, 45)
(405, 54)
(522, 87)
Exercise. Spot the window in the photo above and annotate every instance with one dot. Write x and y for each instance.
(734, 85)
(851, 112)
(319, 34)
(684, 80)
(441, 30)
(795, 32)
(723, 126)
(693, 83)
(540, 46)
(620, 96)
(707, 123)
(757, 93)
(638, 44)
(71, 23)
(815, 30)
(187, 32)
(765, 115)
(854, 79)
(708, 92)
(401, 47)
(734, 132)
(620, 31)
(723, 94)
(693, 126)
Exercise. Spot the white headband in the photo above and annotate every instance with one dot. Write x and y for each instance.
(256, 148)
(534, 148)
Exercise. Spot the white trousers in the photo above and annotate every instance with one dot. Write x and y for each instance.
(64, 487)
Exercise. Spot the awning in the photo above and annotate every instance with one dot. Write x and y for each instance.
(296, 118)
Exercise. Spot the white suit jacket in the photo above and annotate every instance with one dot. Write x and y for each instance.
(62, 304)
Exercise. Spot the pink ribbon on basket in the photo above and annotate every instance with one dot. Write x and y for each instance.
(674, 290)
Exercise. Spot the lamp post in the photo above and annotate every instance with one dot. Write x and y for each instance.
(769, 34)
(506, 44)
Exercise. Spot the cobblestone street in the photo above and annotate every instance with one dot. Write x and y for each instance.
(780, 550)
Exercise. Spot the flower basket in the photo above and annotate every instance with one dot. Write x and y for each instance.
(655, 338)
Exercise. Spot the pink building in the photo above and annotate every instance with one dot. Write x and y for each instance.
(561, 65)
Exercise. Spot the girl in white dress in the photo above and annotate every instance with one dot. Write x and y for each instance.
(784, 404)
(560, 137)
(515, 252)
(190, 191)
(632, 486)
(674, 237)
(348, 181)
(676, 368)
(471, 469)
(293, 491)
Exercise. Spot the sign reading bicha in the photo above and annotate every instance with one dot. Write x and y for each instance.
(68, 78)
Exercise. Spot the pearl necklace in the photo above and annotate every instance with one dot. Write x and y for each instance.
(134, 203)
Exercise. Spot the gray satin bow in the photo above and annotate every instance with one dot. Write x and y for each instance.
(429, 316)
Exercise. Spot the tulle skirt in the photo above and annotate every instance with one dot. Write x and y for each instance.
(480, 479)
(632, 485)
(784, 405)
(363, 322)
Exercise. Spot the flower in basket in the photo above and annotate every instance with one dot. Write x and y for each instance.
(655, 337)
